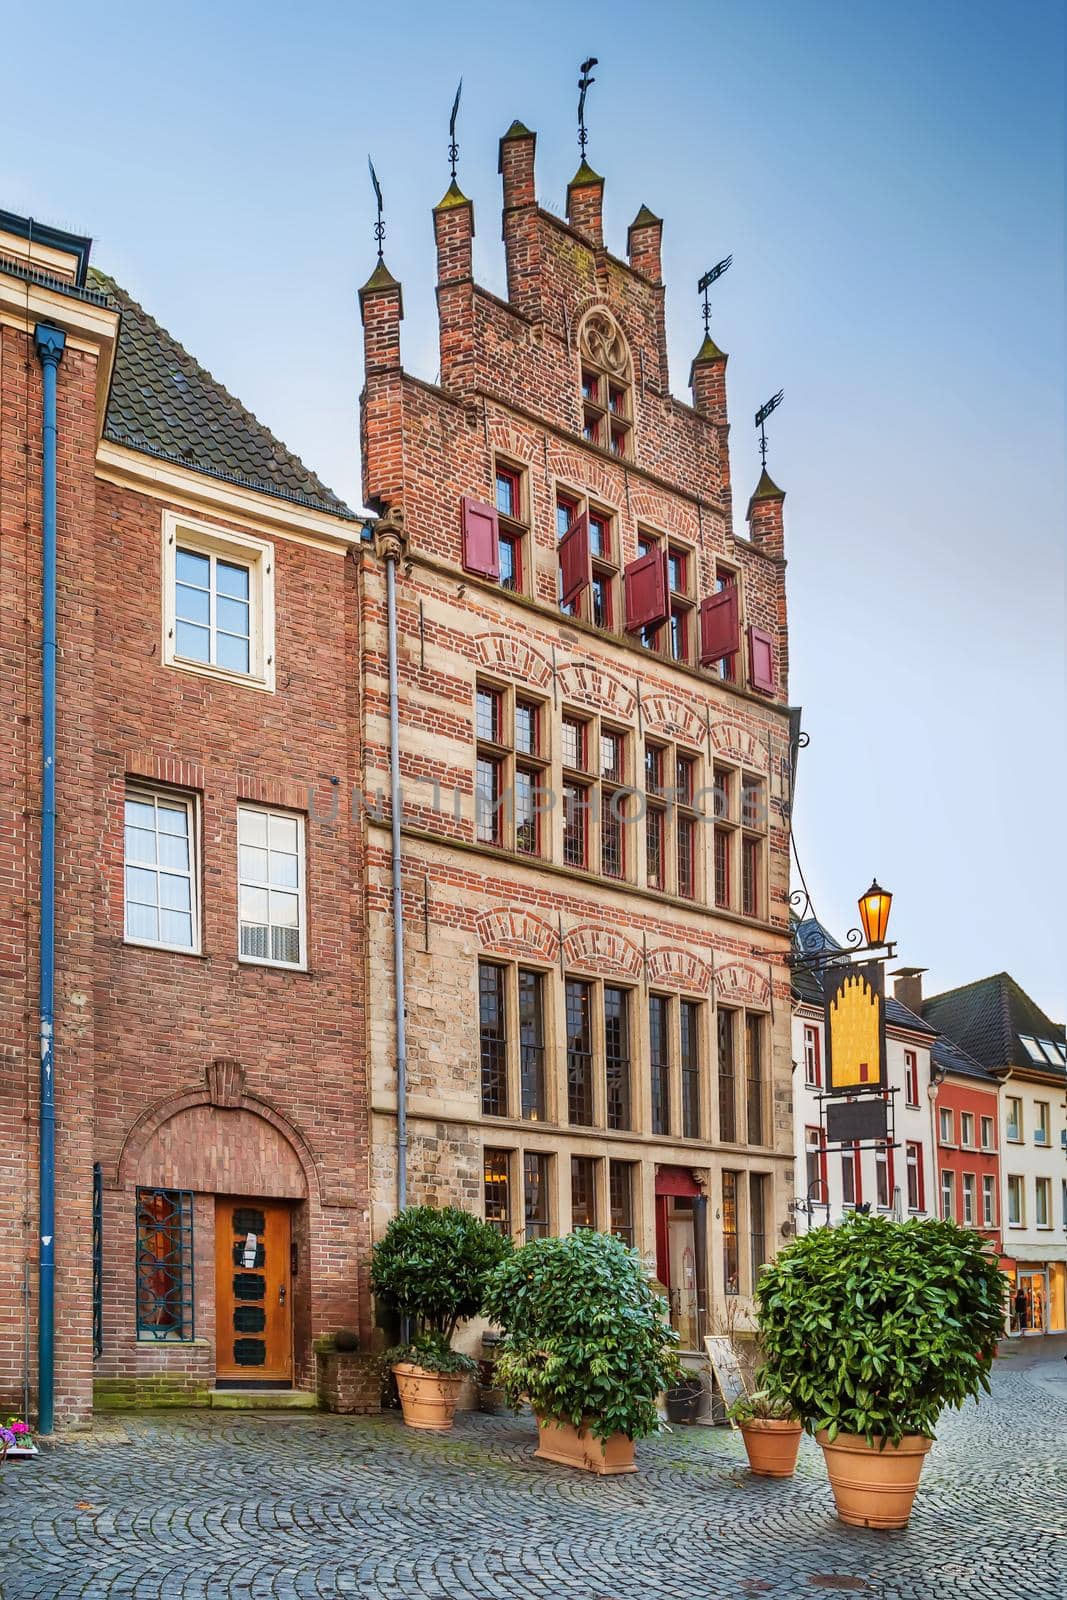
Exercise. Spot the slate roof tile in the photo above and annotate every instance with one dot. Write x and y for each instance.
(164, 403)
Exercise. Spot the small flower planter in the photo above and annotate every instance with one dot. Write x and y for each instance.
(569, 1446)
(772, 1445)
(873, 1487)
(427, 1399)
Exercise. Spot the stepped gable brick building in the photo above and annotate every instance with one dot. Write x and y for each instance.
(594, 749)
(210, 1104)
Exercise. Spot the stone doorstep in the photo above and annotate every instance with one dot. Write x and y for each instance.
(263, 1400)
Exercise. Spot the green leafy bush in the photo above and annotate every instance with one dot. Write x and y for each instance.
(584, 1335)
(873, 1327)
(431, 1267)
(762, 1405)
(431, 1352)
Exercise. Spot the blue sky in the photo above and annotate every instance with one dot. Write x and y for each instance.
(889, 180)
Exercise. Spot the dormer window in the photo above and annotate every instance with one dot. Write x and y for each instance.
(607, 385)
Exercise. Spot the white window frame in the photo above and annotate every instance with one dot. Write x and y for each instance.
(812, 1057)
(1043, 1186)
(942, 1138)
(967, 1130)
(301, 889)
(989, 1200)
(948, 1192)
(1018, 1137)
(1016, 1186)
(243, 549)
(990, 1143)
(154, 793)
(1042, 1124)
(968, 1199)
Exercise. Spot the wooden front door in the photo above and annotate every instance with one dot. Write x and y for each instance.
(253, 1292)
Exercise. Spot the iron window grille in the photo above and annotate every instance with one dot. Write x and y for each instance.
(164, 1264)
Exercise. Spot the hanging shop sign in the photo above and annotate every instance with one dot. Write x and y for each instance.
(855, 1028)
(857, 1120)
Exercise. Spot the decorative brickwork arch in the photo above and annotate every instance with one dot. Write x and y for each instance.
(602, 950)
(595, 477)
(674, 968)
(670, 715)
(591, 686)
(513, 658)
(664, 511)
(513, 931)
(239, 1145)
(730, 739)
(738, 983)
(519, 444)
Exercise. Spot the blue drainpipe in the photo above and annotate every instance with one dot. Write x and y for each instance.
(50, 343)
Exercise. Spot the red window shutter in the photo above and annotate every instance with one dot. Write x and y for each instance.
(481, 538)
(720, 630)
(646, 591)
(761, 660)
(575, 569)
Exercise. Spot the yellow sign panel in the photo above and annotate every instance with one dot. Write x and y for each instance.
(855, 1029)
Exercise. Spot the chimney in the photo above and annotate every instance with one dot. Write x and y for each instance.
(644, 239)
(522, 243)
(381, 421)
(908, 988)
(766, 529)
(453, 223)
(585, 204)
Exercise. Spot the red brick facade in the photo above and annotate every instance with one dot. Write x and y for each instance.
(511, 395)
(192, 1072)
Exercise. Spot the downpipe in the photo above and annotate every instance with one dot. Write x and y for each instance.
(49, 343)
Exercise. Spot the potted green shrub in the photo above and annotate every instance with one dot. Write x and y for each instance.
(870, 1329)
(430, 1268)
(771, 1432)
(586, 1342)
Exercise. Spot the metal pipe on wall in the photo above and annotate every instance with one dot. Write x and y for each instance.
(49, 343)
(396, 806)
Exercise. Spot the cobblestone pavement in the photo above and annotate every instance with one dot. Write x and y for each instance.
(222, 1506)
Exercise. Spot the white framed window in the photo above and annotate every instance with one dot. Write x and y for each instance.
(989, 1200)
(911, 1077)
(1013, 1120)
(967, 1129)
(948, 1194)
(1016, 1201)
(968, 1199)
(218, 602)
(812, 1057)
(270, 887)
(987, 1133)
(945, 1116)
(1041, 1123)
(1043, 1202)
(161, 889)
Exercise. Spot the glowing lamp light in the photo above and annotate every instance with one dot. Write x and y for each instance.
(874, 913)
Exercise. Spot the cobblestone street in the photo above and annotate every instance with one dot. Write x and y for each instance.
(215, 1506)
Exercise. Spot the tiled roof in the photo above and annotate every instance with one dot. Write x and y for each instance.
(989, 1018)
(163, 402)
(810, 935)
(949, 1057)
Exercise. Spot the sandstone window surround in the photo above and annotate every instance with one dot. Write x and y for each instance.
(511, 1020)
(161, 878)
(676, 635)
(606, 384)
(588, 539)
(218, 602)
(509, 1173)
(512, 495)
(597, 802)
(739, 841)
(511, 767)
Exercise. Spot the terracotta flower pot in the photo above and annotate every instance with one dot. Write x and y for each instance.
(578, 1447)
(427, 1399)
(772, 1444)
(874, 1488)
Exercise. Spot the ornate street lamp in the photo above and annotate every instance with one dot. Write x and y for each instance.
(874, 913)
